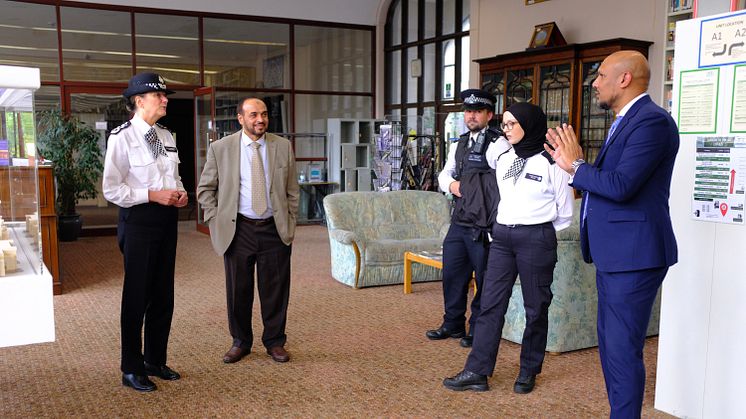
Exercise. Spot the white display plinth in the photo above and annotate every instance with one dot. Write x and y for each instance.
(26, 306)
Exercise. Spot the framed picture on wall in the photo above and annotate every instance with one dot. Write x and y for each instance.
(530, 2)
(274, 72)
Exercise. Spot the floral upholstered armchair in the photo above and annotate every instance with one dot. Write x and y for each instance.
(370, 231)
(572, 314)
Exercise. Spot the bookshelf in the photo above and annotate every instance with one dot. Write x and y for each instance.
(676, 11)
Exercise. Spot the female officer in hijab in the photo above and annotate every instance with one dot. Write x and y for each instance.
(535, 201)
(141, 176)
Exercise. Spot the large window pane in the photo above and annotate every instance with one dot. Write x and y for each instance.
(246, 54)
(428, 72)
(412, 14)
(396, 24)
(28, 34)
(429, 19)
(465, 63)
(96, 45)
(449, 69)
(449, 16)
(465, 17)
(411, 80)
(313, 110)
(332, 59)
(169, 46)
(394, 68)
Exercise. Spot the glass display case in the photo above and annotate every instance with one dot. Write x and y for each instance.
(25, 283)
(559, 80)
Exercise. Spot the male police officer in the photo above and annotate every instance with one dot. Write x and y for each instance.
(468, 176)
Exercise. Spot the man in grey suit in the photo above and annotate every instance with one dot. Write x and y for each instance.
(249, 192)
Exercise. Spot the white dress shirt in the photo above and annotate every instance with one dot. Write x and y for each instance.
(541, 194)
(130, 170)
(494, 149)
(244, 198)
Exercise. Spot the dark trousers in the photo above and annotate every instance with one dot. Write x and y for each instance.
(462, 256)
(530, 251)
(625, 301)
(260, 246)
(147, 235)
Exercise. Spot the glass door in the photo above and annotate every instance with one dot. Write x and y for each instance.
(205, 133)
(102, 109)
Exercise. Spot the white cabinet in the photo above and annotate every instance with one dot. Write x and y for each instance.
(676, 10)
(351, 143)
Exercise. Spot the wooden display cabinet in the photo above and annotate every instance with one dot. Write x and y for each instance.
(559, 80)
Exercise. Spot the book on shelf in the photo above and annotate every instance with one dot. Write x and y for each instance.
(671, 34)
(680, 5)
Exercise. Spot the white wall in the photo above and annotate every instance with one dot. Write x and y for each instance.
(507, 27)
(360, 12)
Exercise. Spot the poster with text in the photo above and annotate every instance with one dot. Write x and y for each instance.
(719, 179)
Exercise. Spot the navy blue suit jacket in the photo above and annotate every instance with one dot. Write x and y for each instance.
(627, 225)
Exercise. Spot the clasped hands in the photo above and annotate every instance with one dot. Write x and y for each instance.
(171, 197)
(565, 148)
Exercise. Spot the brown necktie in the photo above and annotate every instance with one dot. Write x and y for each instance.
(258, 182)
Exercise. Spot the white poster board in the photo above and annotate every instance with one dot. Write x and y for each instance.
(703, 313)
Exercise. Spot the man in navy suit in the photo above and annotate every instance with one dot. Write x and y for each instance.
(625, 223)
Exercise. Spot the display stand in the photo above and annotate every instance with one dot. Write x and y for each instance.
(26, 306)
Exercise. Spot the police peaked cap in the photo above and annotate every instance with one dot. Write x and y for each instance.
(144, 83)
(475, 99)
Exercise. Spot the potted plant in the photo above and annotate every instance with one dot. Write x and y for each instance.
(73, 148)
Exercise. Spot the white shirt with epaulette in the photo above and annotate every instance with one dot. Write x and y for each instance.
(540, 194)
(130, 170)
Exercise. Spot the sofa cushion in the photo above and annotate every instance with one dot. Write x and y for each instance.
(392, 251)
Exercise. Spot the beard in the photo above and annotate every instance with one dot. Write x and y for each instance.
(474, 126)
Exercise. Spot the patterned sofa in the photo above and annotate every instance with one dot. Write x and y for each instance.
(572, 314)
(370, 231)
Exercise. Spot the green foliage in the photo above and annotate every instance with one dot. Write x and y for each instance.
(73, 148)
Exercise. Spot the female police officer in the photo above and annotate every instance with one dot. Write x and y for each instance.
(141, 176)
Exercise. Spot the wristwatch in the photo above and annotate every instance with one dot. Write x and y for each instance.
(577, 164)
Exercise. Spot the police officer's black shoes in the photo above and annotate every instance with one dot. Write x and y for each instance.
(467, 340)
(466, 380)
(162, 372)
(444, 333)
(524, 384)
(138, 382)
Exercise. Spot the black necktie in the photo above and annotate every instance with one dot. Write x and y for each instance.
(154, 143)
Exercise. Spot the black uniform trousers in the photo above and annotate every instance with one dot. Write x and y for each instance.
(257, 244)
(462, 255)
(147, 235)
(530, 251)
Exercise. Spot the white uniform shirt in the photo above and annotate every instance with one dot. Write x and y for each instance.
(541, 193)
(244, 198)
(130, 170)
(445, 177)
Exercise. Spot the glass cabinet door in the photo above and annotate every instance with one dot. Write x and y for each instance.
(594, 121)
(554, 93)
(204, 130)
(520, 86)
(495, 84)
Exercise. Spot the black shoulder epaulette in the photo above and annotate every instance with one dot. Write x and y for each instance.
(121, 127)
(547, 156)
(164, 127)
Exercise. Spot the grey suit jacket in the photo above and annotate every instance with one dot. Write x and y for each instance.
(218, 188)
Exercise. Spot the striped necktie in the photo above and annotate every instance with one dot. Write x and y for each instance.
(258, 181)
(613, 127)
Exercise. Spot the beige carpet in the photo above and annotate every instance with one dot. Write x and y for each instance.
(355, 353)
